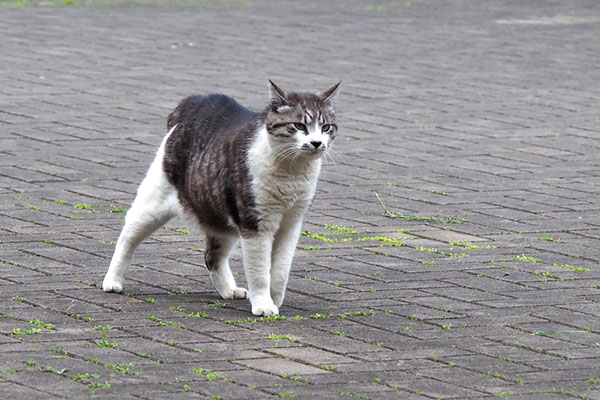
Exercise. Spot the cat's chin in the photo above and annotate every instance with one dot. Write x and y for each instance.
(313, 153)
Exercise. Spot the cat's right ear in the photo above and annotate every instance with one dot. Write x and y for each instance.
(278, 96)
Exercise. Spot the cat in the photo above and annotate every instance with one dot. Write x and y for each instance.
(237, 175)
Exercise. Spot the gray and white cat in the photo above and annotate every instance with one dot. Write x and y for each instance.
(235, 174)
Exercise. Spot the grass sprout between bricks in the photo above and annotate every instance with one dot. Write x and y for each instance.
(402, 217)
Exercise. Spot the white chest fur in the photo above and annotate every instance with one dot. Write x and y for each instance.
(280, 184)
(283, 183)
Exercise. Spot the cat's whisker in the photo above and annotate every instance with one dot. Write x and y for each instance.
(284, 153)
(295, 159)
(330, 156)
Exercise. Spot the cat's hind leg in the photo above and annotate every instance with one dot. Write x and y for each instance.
(155, 203)
(141, 221)
(216, 256)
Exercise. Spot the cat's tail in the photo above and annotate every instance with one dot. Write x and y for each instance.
(173, 118)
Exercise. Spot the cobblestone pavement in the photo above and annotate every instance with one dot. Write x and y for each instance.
(476, 123)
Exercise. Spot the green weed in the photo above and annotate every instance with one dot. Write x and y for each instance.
(572, 267)
(356, 314)
(393, 241)
(115, 209)
(99, 385)
(181, 231)
(546, 275)
(199, 314)
(160, 322)
(209, 375)
(102, 328)
(37, 322)
(342, 229)
(525, 258)
(124, 368)
(85, 376)
(318, 236)
(402, 217)
(339, 333)
(104, 343)
(426, 249)
(33, 331)
(287, 337)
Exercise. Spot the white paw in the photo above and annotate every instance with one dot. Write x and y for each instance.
(240, 293)
(264, 308)
(237, 293)
(112, 285)
(277, 299)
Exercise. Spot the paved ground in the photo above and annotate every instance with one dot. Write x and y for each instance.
(476, 122)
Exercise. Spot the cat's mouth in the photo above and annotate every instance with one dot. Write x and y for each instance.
(316, 151)
(313, 153)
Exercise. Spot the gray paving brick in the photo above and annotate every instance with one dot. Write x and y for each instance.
(472, 109)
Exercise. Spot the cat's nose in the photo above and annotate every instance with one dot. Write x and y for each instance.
(316, 144)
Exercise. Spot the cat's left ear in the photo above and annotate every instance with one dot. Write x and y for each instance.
(330, 93)
(278, 96)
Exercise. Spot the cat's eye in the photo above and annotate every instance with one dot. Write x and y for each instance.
(300, 126)
(325, 128)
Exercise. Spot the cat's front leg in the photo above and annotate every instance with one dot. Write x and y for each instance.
(256, 252)
(284, 247)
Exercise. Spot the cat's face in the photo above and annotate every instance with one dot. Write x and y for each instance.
(301, 124)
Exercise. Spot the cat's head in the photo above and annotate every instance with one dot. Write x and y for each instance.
(301, 124)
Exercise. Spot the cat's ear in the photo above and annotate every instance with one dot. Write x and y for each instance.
(330, 93)
(278, 96)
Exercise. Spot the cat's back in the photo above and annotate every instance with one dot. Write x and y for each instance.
(213, 113)
(205, 159)
(207, 129)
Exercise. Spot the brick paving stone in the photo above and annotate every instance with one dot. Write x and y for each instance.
(474, 121)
